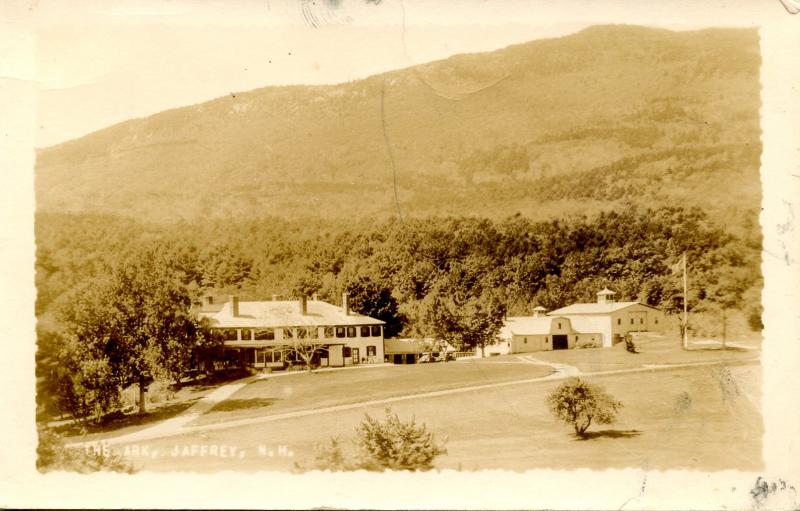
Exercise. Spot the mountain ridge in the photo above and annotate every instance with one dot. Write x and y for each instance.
(629, 104)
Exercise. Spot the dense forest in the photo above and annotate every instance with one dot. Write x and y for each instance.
(393, 268)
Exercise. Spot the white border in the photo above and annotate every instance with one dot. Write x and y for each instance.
(22, 486)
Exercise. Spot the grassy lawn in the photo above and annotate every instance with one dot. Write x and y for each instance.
(125, 423)
(655, 351)
(316, 390)
(702, 418)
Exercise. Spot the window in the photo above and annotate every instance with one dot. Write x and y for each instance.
(259, 356)
(364, 331)
(576, 338)
(371, 351)
(559, 325)
(228, 334)
(619, 321)
(351, 331)
(329, 331)
(346, 353)
(376, 330)
(641, 321)
(525, 340)
(340, 331)
(274, 356)
(656, 321)
(631, 321)
(266, 334)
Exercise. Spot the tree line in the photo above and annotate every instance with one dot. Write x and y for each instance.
(451, 278)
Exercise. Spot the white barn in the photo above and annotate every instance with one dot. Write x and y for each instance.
(600, 324)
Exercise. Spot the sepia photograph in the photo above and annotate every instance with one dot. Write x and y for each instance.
(357, 238)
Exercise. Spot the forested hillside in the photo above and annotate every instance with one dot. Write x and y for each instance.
(395, 270)
(609, 116)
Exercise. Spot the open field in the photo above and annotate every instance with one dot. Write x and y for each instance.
(704, 418)
(317, 390)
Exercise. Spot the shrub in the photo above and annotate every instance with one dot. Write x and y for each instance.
(380, 445)
(160, 391)
(52, 454)
(754, 319)
(393, 444)
(331, 457)
(578, 404)
(630, 346)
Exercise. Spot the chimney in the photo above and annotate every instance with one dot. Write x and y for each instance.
(234, 305)
(539, 311)
(208, 300)
(303, 306)
(274, 298)
(345, 304)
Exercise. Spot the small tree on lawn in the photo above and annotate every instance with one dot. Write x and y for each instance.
(396, 445)
(304, 342)
(579, 403)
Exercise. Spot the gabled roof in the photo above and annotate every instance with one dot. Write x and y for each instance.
(280, 313)
(528, 325)
(594, 308)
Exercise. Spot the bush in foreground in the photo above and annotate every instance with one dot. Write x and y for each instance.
(52, 454)
(388, 444)
(579, 403)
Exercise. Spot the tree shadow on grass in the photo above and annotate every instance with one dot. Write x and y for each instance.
(118, 420)
(230, 405)
(609, 433)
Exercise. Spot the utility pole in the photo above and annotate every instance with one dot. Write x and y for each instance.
(685, 305)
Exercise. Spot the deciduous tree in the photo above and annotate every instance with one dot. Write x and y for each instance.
(134, 326)
(579, 404)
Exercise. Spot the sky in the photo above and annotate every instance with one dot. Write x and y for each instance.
(99, 63)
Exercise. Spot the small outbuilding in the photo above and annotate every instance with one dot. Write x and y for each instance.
(412, 351)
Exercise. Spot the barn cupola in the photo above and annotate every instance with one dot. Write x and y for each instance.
(605, 296)
(539, 311)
